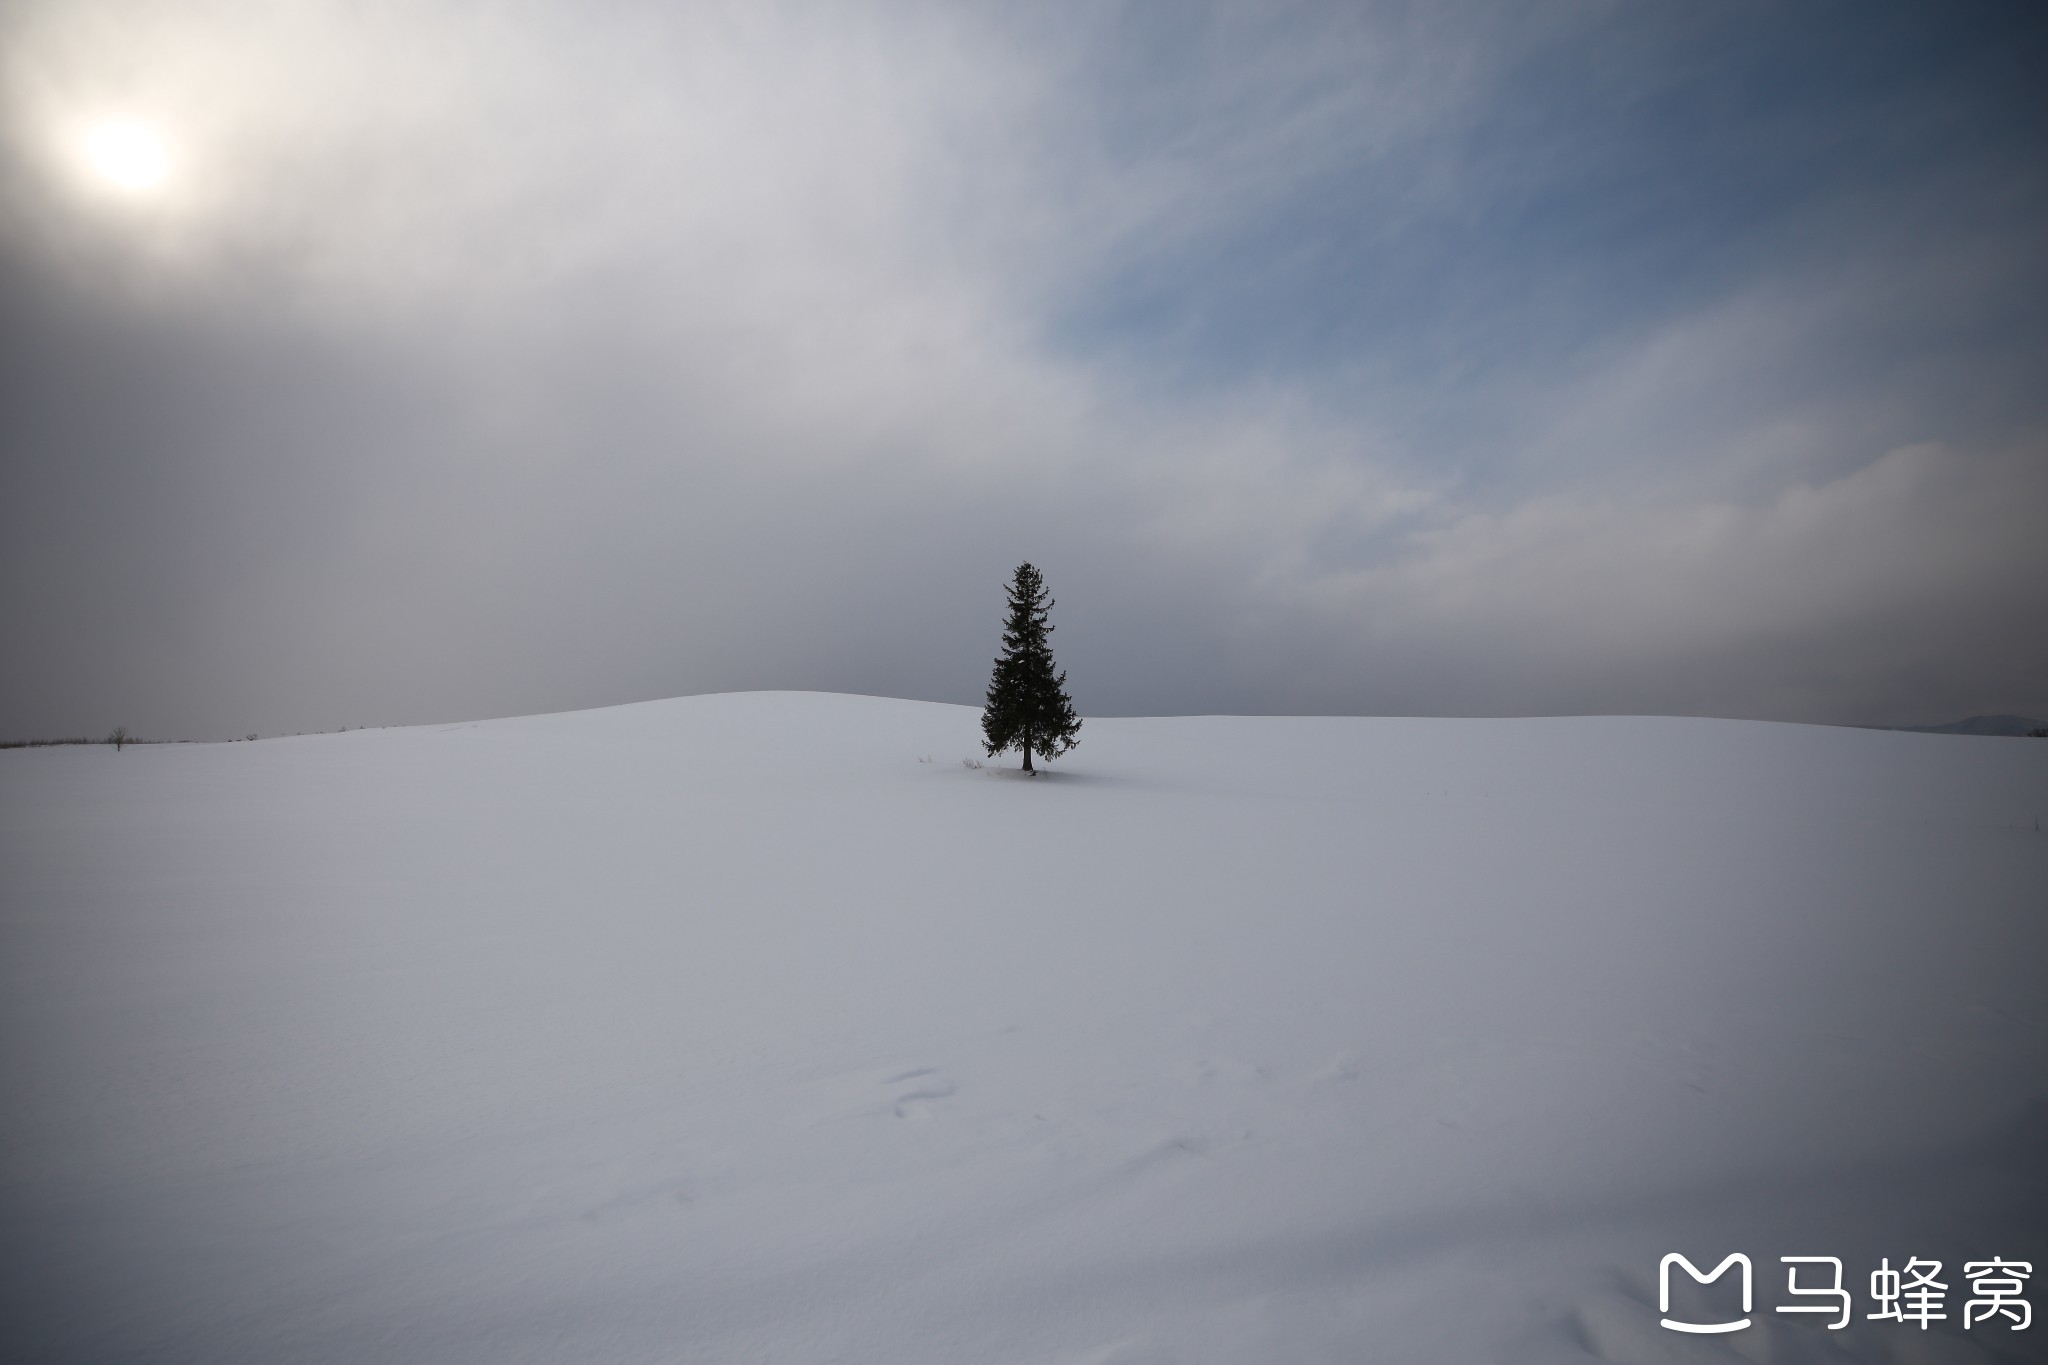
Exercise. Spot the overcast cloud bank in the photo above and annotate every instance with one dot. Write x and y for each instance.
(1417, 359)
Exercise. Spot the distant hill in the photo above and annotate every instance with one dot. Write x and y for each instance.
(1979, 725)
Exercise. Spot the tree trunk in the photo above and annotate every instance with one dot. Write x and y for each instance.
(1027, 753)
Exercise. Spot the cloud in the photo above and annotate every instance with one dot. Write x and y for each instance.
(490, 359)
(1845, 596)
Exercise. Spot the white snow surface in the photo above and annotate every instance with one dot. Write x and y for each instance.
(729, 1028)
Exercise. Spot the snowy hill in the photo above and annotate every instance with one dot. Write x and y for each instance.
(1982, 725)
(728, 1029)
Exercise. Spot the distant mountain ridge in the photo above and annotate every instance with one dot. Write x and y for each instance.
(1978, 725)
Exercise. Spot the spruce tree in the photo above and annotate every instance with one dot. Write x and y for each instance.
(1028, 707)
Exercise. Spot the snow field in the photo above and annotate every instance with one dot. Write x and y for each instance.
(725, 1029)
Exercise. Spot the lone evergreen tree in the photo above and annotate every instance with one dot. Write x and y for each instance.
(1028, 707)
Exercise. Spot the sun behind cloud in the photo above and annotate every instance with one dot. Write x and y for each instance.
(127, 156)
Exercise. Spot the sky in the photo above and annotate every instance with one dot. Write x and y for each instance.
(368, 363)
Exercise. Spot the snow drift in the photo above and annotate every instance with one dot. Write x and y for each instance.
(759, 1028)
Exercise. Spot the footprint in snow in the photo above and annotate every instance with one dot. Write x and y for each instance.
(925, 1085)
(1626, 1329)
